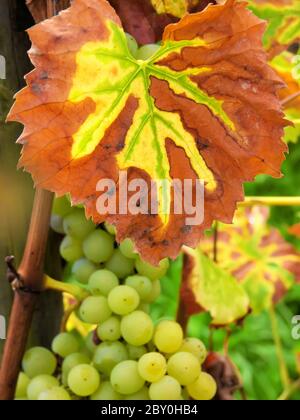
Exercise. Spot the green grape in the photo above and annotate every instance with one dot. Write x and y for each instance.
(147, 51)
(150, 271)
(39, 384)
(167, 388)
(142, 394)
(184, 367)
(106, 393)
(38, 361)
(61, 206)
(77, 225)
(83, 380)
(110, 228)
(73, 360)
(155, 292)
(83, 269)
(110, 330)
(102, 282)
(54, 394)
(152, 366)
(108, 355)
(94, 310)
(168, 336)
(141, 284)
(56, 224)
(22, 385)
(65, 344)
(196, 347)
(137, 328)
(132, 44)
(135, 352)
(204, 388)
(120, 265)
(98, 247)
(127, 249)
(89, 343)
(125, 377)
(70, 249)
(123, 299)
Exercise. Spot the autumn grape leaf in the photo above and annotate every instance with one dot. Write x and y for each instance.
(287, 66)
(212, 289)
(257, 256)
(283, 18)
(295, 230)
(205, 107)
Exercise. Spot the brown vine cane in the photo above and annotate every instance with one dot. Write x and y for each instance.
(27, 281)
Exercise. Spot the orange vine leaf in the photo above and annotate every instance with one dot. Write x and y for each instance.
(204, 106)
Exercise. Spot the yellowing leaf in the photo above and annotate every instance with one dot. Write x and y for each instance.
(287, 65)
(215, 290)
(176, 8)
(204, 106)
(257, 256)
(283, 18)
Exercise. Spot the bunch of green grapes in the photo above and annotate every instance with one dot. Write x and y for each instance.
(125, 356)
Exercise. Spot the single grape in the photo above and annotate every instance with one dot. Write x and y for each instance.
(135, 352)
(152, 366)
(155, 292)
(61, 206)
(151, 271)
(168, 336)
(65, 344)
(142, 394)
(196, 347)
(125, 377)
(110, 228)
(39, 384)
(38, 361)
(102, 282)
(123, 299)
(57, 224)
(94, 310)
(108, 355)
(98, 247)
(127, 249)
(83, 380)
(77, 225)
(184, 367)
(120, 265)
(83, 269)
(73, 360)
(70, 249)
(167, 388)
(22, 385)
(141, 284)
(110, 330)
(106, 393)
(54, 394)
(132, 44)
(204, 388)
(137, 328)
(147, 51)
